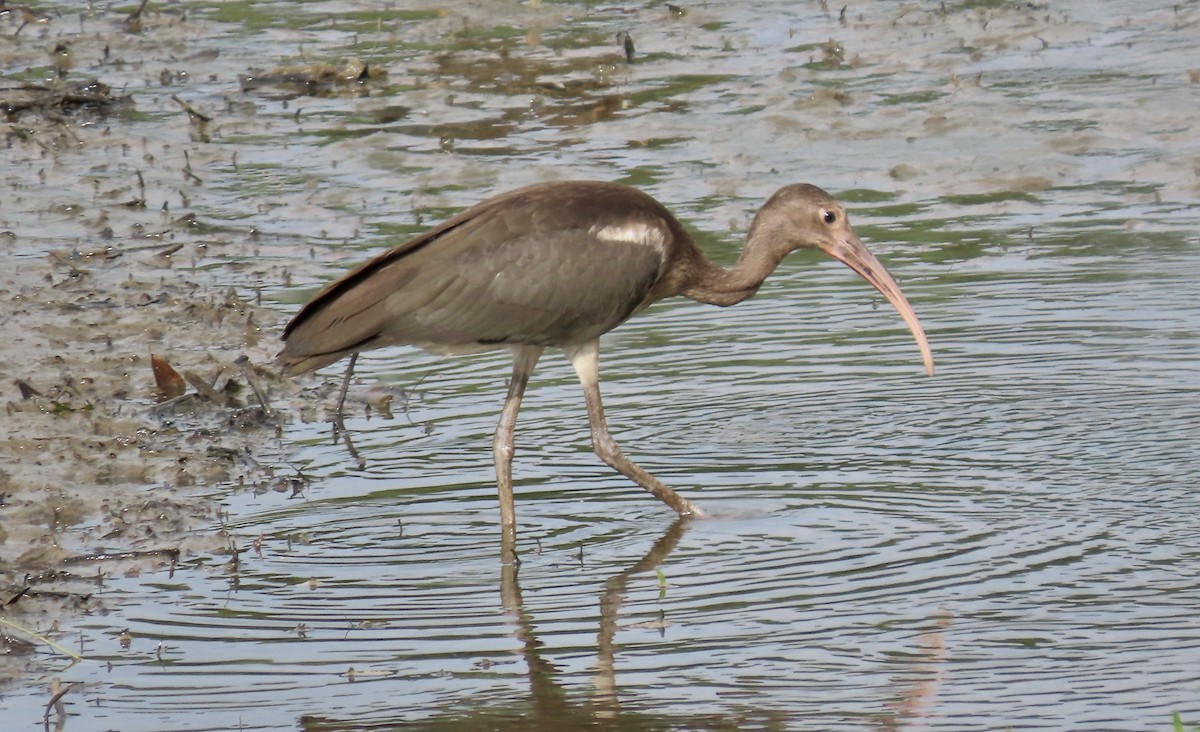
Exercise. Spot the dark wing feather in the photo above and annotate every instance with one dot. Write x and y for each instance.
(544, 265)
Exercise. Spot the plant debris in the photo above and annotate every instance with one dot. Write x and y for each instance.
(312, 80)
(51, 101)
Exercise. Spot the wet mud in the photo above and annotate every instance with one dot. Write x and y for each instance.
(105, 265)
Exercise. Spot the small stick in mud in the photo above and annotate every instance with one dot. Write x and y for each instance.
(243, 362)
(625, 41)
(187, 170)
(192, 111)
(133, 23)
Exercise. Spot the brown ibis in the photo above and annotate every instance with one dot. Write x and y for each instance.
(557, 265)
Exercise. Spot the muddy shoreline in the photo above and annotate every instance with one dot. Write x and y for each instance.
(109, 258)
(99, 473)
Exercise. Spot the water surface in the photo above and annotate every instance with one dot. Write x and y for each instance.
(1009, 545)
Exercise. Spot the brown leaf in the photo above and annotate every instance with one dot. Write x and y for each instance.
(170, 384)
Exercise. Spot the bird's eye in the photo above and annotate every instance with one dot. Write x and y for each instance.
(828, 216)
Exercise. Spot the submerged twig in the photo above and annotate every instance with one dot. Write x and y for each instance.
(56, 703)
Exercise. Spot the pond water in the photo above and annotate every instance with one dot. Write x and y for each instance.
(1011, 544)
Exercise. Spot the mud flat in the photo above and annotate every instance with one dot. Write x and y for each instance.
(99, 470)
(109, 256)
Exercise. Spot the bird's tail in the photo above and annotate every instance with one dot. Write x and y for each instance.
(294, 364)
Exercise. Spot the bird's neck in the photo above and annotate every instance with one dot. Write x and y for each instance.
(717, 285)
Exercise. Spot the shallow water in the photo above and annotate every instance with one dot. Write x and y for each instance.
(1010, 544)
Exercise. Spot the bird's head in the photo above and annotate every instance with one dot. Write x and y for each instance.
(803, 216)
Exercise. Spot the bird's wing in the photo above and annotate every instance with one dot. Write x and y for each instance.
(539, 270)
(547, 286)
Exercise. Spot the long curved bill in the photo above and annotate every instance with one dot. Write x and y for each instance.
(851, 251)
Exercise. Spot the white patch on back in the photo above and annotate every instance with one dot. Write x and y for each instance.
(634, 232)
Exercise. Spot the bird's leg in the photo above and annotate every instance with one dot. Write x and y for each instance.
(339, 416)
(503, 447)
(586, 359)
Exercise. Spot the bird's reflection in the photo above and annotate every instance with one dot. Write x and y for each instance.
(549, 706)
(546, 694)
